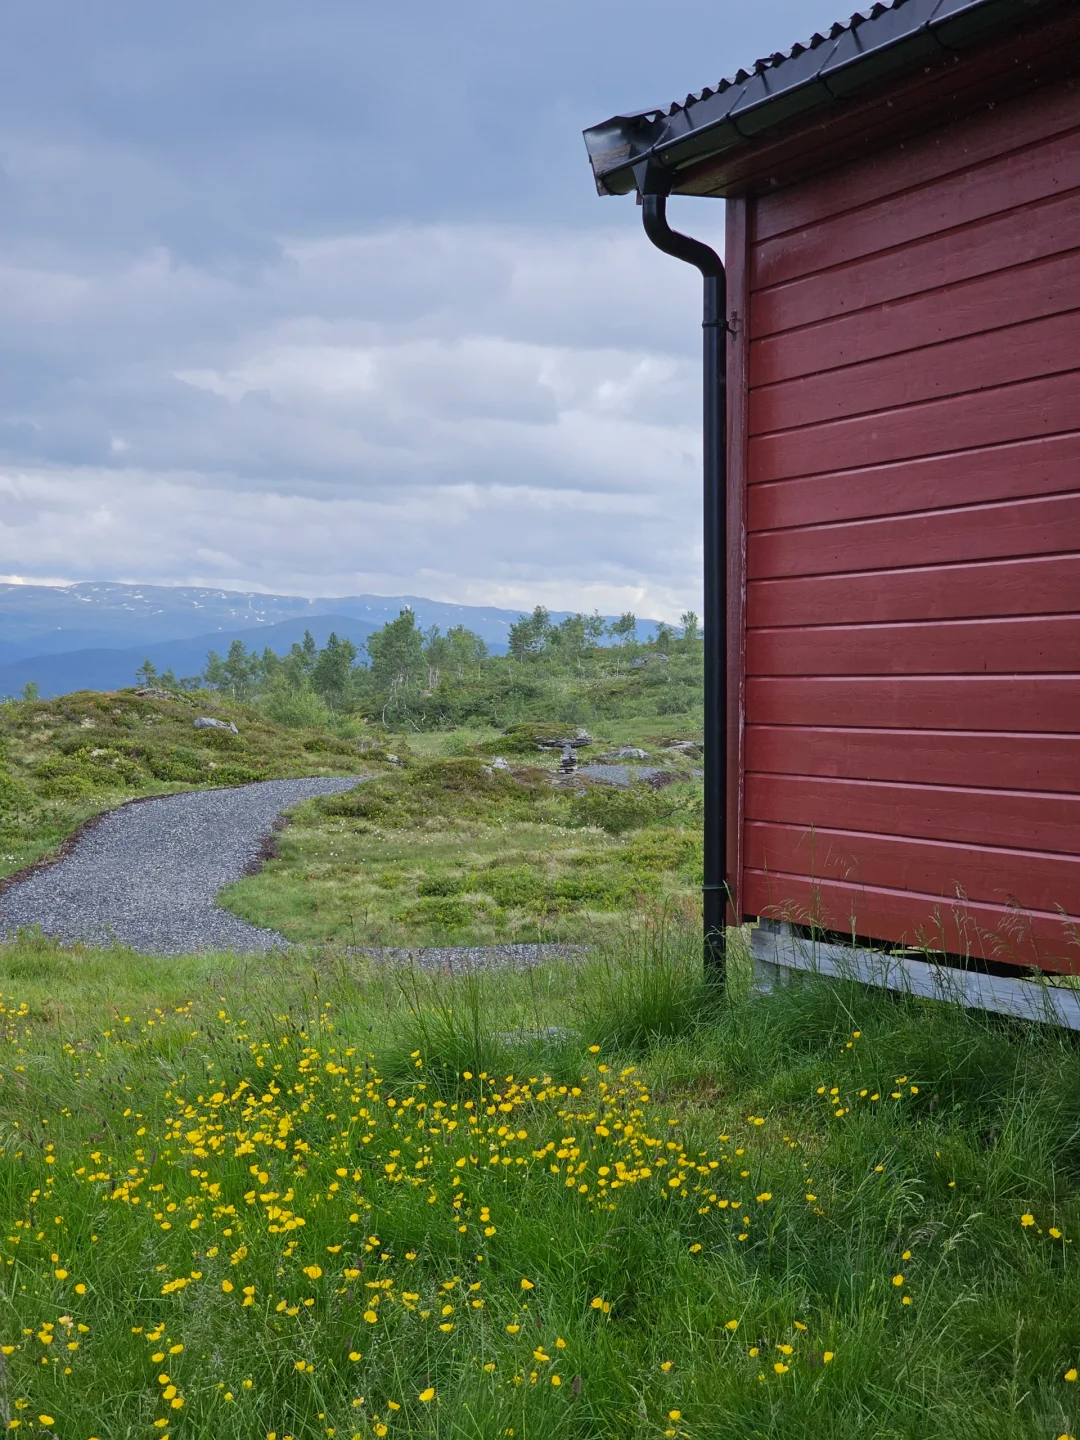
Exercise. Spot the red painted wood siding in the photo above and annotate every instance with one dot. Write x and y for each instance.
(911, 749)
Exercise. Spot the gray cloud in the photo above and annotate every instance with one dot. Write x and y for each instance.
(319, 298)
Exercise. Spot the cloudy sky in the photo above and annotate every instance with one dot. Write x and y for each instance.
(318, 298)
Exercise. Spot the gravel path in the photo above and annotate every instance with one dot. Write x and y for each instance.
(148, 875)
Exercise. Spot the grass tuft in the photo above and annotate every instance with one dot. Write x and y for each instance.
(646, 988)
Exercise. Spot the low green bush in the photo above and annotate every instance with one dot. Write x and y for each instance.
(442, 912)
(457, 789)
(616, 811)
(442, 885)
(236, 775)
(178, 762)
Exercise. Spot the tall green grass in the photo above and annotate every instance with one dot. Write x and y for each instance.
(882, 1150)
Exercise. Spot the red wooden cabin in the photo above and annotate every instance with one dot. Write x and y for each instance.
(903, 470)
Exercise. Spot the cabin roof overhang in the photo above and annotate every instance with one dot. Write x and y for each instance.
(722, 139)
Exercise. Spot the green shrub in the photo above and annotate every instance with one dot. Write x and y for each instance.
(219, 741)
(441, 911)
(13, 795)
(178, 762)
(299, 709)
(442, 885)
(527, 887)
(617, 811)
(128, 771)
(53, 767)
(236, 775)
(521, 886)
(71, 777)
(67, 787)
(327, 745)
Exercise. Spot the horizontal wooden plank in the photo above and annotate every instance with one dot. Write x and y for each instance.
(1004, 182)
(981, 248)
(976, 362)
(981, 931)
(998, 875)
(1047, 644)
(974, 307)
(1044, 585)
(1042, 525)
(1049, 703)
(985, 417)
(988, 133)
(781, 951)
(1045, 465)
(988, 760)
(964, 814)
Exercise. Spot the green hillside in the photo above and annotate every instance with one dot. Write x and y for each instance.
(441, 847)
(64, 760)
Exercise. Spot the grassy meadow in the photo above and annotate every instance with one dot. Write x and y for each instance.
(302, 1196)
(445, 849)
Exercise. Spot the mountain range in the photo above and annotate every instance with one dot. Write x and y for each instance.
(93, 636)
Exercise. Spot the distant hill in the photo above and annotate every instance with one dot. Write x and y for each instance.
(105, 668)
(92, 636)
(50, 619)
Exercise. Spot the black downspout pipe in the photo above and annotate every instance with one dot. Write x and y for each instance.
(714, 437)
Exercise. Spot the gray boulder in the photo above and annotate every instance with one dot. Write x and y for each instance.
(625, 752)
(206, 722)
(684, 747)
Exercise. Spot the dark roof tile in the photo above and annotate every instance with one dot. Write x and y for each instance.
(873, 44)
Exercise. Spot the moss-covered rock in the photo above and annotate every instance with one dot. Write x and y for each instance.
(529, 737)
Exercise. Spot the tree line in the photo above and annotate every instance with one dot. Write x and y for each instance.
(407, 676)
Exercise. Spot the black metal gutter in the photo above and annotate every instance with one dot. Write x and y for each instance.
(714, 439)
(866, 50)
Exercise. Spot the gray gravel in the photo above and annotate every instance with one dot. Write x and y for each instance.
(148, 875)
(621, 775)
